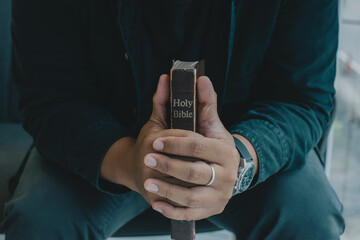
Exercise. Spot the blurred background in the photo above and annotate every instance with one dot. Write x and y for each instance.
(344, 148)
(343, 152)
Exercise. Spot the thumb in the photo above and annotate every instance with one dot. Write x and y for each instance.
(160, 98)
(208, 122)
(207, 100)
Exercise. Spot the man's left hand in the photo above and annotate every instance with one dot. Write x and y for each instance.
(212, 145)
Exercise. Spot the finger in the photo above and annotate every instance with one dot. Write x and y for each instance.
(177, 133)
(188, 197)
(173, 132)
(207, 100)
(160, 98)
(208, 149)
(208, 122)
(198, 172)
(181, 213)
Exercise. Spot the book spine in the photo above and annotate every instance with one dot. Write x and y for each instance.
(182, 230)
(183, 99)
(183, 116)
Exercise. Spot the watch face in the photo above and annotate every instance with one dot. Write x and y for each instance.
(247, 178)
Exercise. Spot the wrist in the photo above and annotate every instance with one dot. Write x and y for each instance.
(251, 150)
(115, 166)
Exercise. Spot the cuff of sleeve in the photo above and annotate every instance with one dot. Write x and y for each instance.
(88, 163)
(96, 180)
(266, 139)
(111, 188)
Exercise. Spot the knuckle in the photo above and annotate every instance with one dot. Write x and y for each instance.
(191, 201)
(165, 167)
(193, 174)
(203, 123)
(199, 147)
(167, 193)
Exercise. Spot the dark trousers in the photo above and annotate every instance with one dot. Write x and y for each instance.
(52, 203)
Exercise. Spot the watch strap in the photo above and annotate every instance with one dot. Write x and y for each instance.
(244, 153)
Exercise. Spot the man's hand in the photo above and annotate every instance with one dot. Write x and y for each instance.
(124, 162)
(213, 145)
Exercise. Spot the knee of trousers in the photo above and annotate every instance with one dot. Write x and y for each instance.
(296, 211)
(29, 218)
(297, 204)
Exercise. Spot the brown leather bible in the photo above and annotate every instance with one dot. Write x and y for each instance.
(183, 77)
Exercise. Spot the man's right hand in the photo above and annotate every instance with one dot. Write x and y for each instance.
(124, 162)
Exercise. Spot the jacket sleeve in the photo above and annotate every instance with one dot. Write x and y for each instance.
(296, 85)
(62, 108)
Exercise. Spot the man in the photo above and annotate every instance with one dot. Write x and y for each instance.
(87, 72)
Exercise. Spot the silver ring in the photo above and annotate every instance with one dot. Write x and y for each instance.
(212, 175)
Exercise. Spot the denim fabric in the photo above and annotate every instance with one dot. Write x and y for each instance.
(52, 203)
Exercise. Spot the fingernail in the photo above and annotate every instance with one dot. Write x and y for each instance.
(157, 209)
(152, 187)
(158, 145)
(150, 161)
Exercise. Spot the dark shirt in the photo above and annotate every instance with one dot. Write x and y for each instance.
(272, 64)
(166, 31)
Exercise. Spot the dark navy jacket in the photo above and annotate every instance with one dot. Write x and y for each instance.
(77, 70)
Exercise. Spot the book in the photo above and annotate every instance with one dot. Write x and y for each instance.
(183, 76)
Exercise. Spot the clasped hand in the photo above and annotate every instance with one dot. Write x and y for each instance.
(212, 145)
(151, 164)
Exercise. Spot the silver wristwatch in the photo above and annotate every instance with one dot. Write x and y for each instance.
(246, 169)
